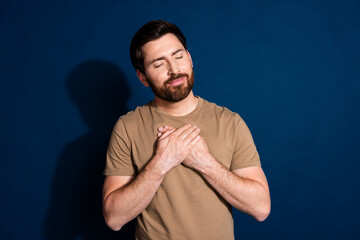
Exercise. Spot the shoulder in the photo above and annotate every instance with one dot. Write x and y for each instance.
(136, 115)
(133, 118)
(222, 113)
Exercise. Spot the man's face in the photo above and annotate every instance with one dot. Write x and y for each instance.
(168, 68)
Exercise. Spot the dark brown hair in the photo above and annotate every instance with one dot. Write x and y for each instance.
(151, 31)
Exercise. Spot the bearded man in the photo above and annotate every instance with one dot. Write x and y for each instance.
(179, 163)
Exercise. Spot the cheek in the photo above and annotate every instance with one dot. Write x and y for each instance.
(186, 67)
(157, 77)
(187, 64)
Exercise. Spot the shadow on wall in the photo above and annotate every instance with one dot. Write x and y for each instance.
(100, 91)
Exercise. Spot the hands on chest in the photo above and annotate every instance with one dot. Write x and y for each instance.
(183, 145)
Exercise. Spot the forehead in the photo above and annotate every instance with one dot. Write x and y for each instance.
(161, 46)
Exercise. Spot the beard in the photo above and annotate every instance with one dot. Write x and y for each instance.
(173, 93)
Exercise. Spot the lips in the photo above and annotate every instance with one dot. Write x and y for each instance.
(177, 81)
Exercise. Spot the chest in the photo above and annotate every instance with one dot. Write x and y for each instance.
(218, 137)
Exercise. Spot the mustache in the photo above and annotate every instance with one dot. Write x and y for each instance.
(177, 76)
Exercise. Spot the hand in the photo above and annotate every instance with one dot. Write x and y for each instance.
(174, 145)
(198, 157)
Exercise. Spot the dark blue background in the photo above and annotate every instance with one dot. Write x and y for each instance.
(291, 69)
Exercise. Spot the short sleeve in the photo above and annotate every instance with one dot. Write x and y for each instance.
(245, 153)
(118, 157)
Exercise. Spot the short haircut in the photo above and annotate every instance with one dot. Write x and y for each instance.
(151, 31)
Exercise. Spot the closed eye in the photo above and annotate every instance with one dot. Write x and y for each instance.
(158, 65)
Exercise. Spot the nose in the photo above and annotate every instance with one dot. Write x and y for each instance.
(173, 68)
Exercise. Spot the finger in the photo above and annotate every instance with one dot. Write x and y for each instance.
(194, 141)
(165, 134)
(165, 128)
(161, 129)
(202, 143)
(182, 129)
(183, 134)
(190, 134)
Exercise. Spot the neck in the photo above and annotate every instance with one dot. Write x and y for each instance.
(181, 108)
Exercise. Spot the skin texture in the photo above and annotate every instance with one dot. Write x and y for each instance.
(164, 58)
(125, 197)
(246, 189)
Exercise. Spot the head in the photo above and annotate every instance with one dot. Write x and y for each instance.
(159, 54)
(151, 31)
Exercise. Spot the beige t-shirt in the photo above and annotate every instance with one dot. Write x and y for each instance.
(185, 206)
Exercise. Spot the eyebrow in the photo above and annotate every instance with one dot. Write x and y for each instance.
(163, 58)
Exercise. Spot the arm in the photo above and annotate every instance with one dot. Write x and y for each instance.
(125, 197)
(246, 189)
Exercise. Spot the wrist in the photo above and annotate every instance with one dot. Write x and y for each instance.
(210, 165)
(158, 165)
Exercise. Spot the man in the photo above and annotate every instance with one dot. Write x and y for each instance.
(179, 163)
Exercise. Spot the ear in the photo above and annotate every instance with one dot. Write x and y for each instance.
(190, 58)
(142, 78)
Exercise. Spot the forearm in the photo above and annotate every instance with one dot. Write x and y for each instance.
(245, 194)
(127, 202)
